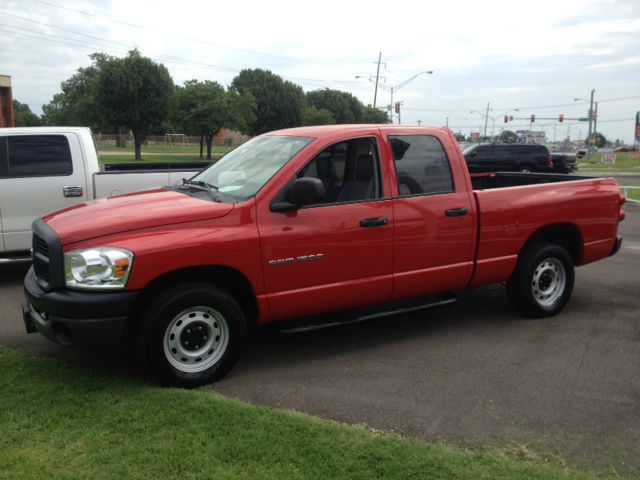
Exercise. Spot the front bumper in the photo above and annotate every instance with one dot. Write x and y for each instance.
(70, 317)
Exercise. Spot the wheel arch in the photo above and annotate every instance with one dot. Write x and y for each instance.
(566, 235)
(225, 278)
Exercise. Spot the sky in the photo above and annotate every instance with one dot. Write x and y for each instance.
(489, 58)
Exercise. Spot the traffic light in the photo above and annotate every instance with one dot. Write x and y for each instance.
(533, 118)
(506, 119)
(561, 118)
(397, 107)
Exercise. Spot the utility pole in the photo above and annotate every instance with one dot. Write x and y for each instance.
(590, 125)
(486, 118)
(375, 94)
(595, 120)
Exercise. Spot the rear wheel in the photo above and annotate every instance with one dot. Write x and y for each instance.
(542, 282)
(192, 334)
(525, 169)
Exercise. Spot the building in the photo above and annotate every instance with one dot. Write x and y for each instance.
(531, 136)
(7, 118)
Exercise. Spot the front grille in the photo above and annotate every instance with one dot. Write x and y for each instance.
(48, 261)
(41, 264)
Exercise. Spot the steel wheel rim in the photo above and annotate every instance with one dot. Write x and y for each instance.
(196, 339)
(548, 282)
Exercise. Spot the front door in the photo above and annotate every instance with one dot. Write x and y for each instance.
(335, 254)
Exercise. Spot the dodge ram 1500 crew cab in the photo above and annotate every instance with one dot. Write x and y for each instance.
(301, 222)
(43, 169)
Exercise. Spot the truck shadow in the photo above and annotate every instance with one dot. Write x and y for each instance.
(476, 311)
(269, 348)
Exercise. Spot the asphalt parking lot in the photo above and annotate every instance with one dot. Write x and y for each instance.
(470, 373)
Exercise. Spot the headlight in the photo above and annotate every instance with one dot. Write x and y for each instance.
(97, 268)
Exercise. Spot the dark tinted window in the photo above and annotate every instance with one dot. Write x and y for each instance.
(421, 165)
(39, 155)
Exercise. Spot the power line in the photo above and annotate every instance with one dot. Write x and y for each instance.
(184, 37)
(158, 56)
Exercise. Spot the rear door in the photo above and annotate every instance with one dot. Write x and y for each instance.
(38, 175)
(434, 218)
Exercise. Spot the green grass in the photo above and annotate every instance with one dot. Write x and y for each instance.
(624, 162)
(157, 154)
(160, 148)
(633, 194)
(61, 422)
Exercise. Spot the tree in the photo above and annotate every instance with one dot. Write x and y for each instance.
(205, 108)
(135, 92)
(373, 115)
(279, 103)
(24, 116)
(318, 116)
(76, 104)
(507, 136)
(459, 137)
(598, 139)
(344, 106)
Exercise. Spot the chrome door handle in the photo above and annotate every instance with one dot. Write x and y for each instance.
(73, 191)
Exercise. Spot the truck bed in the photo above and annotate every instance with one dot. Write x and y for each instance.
(487, 181)
(515, 207)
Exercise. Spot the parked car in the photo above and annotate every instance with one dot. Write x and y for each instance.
(297, 224)
(508, 157)
(43, 169)
(564, 162)
(626, 149)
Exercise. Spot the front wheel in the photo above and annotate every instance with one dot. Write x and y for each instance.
(542, 282)
(192, 334)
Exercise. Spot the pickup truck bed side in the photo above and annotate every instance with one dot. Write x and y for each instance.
(582, 213)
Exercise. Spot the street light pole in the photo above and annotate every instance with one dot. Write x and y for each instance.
(399, 86)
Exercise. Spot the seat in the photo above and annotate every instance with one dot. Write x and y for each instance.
(361, 187)
(326, 171)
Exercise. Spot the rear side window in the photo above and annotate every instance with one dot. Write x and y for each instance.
(421, 165)
(38, 155)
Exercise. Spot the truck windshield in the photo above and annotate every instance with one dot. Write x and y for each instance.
(241, 173)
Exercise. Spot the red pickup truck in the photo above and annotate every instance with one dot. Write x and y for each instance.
(298, 223)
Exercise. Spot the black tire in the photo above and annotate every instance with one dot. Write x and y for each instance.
(192, 334)
(542, 282)
(525, 169)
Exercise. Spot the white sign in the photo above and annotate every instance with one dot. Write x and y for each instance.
(609, 158)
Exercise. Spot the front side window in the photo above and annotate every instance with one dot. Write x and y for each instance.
(349, 171)
(421, 165)
(38, 155)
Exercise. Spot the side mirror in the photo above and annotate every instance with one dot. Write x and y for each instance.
(303, 191)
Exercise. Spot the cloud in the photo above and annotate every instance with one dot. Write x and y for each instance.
(506, 54)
